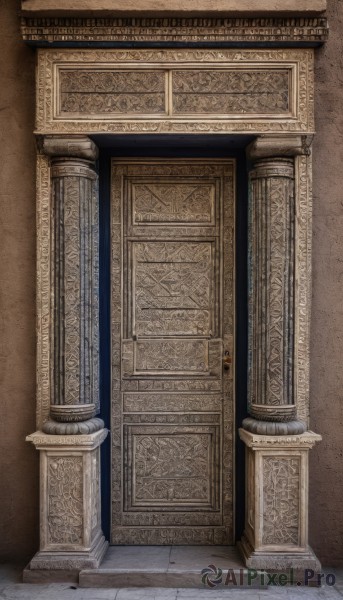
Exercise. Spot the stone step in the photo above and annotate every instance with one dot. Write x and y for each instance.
(170, 567)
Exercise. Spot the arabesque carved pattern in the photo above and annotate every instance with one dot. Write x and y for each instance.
(180, 385)
(173, 418)
(172, 470)
(191, 203)
(172, 283)
(65, 500)
(89, 92)
(95, 92)
(303, 267)
(173, 519)
(172, 355)
(281, 489)
(119, 82)
(44, 277)
(220, 92)
(157, 402)
(159, 536)
(95, 490)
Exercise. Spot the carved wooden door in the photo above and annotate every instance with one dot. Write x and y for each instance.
(172, 323)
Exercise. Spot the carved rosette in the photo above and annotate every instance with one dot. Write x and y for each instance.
(271, 396)
(75, 232)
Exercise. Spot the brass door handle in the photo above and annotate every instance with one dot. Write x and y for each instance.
(227, 360)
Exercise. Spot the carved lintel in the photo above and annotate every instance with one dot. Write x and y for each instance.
(211, 91)
(79, 146)
(276, 146)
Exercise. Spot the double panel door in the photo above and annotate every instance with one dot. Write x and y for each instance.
(172, 314)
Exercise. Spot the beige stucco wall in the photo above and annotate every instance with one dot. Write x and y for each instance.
(19, 465)
(176, 7)
(326, 472)
(18, 462)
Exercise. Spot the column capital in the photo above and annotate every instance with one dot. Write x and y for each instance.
(73, 146)
(269, 146)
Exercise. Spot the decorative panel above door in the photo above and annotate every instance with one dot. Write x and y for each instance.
(174, 91)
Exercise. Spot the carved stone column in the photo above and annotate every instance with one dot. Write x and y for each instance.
(271, 400)
(277, 446)
(71, 537)
(75, 340)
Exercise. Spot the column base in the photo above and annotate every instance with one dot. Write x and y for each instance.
(279, 561)
(71, 538)
(276, 520)
(81, 428)
(70, 561)
(273, 428)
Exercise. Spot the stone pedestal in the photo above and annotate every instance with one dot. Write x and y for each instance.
(276, 519)
(70, 517)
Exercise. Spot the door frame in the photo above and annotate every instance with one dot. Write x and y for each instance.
(211, 147)
(280, 154)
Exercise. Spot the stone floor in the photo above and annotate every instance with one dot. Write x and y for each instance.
(11, 589)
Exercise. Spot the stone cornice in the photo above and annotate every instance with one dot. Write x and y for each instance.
(282, 31)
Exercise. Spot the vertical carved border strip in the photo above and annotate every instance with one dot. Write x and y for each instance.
(305, 89)
(41, 90)
(95, 294)
(118, 173)
(228, 317)
(303, 267)
(44, 275)
(65, 502)
(281, 476)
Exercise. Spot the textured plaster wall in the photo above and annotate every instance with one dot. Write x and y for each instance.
(326, 467)
(18, 460)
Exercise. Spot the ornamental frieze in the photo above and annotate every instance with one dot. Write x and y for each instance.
(44, 30)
